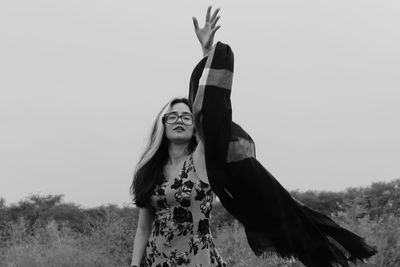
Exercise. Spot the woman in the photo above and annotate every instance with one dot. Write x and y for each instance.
(171, 188)
(173, 226)
(225, 161)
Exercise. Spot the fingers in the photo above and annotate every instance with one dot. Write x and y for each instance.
(214, 22)
(208, 14)
(210, 20)
(215, 29)
(214, 15)
(195, 23)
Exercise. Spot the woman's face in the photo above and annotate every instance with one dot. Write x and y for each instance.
(178, 132)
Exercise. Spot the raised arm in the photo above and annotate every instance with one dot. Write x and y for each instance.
(209, 97)
(215, 70)
(205, 36)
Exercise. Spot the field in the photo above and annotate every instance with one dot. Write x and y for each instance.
(104, 236)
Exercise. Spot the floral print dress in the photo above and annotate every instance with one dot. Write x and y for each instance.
(181, 230)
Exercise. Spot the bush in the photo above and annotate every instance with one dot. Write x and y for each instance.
(57, 245)
(42, 231)
(109, 243)
(382, 232)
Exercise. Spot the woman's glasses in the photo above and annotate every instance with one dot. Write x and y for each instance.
(171, 118)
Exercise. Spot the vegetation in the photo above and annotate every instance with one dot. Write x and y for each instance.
(44, 231)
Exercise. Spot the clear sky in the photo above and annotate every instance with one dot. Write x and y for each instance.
(317, 86)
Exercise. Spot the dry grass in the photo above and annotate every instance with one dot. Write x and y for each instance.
(110, 243)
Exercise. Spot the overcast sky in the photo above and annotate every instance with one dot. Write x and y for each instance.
(317, 86)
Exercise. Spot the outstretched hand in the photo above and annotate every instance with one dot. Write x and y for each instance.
(206, 34)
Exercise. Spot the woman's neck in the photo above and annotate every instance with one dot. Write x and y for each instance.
(177, 153)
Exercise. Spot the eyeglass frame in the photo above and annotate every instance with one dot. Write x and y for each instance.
(164, 119)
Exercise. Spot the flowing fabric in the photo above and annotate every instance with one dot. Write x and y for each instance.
(274, 222)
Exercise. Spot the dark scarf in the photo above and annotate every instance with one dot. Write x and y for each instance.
(274, 222)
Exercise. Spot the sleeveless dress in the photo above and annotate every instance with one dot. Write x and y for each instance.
(181, 229)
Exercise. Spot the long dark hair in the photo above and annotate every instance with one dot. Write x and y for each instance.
(149, 170)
